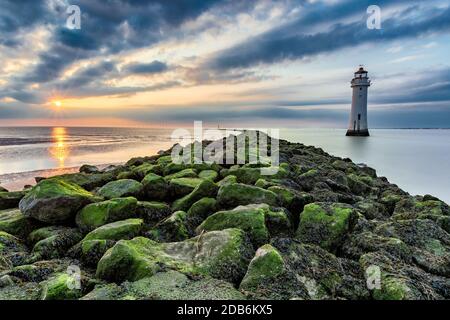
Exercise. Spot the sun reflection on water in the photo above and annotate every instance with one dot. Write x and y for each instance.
(59, 150)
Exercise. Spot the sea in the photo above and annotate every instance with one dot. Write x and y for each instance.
(417, 160)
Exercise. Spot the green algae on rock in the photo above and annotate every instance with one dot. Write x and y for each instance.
(97, 214)
(9, 200)
(180, 187)
(55, 201)
(60, 287)
(171, 229)
(205, 189)
(155, 187)
(121, 188)
(325, 224)
(220, 254)
(233, 195)
(170, 285)
(14, 222)
(124, 229)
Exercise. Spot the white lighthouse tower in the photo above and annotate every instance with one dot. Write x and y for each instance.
(358, 116)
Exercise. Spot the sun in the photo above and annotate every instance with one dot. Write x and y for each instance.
(57, 103)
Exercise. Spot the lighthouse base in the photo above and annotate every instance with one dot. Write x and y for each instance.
(356, 133)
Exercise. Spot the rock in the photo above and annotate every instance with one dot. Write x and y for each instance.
(40, 270)
(86, 181)
(250, 175)
(155, 187)
(86, 168)
(265, 266)
(6, 281)
(372, 209)
(121, 188)
(21, 291)
(125, 229)
(179, 187)
(141, 171)
(170, 285)
(220, 254)
(233, 195)
(199, 211)
(62, 286)
(152, 212)
(171, 229)
(14, 222)
(227, 180)
(97, 214)
(53, 242)
(250, 218)
(3, 189)
(54, 201)
(326, 224)
(186, 173)
(91, 251)
(9, 200)
(12, 251)
(205, 189)
(208, 174)
(292, 200)
(322, 274)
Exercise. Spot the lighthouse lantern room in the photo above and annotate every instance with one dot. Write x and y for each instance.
(358, 115)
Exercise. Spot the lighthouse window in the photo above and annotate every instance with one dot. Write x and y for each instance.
(359, 116)
(360, 88)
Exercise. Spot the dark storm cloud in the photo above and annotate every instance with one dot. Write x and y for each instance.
(289, 43)
(146, 68)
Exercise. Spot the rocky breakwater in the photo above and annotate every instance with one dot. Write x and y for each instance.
(322, 227)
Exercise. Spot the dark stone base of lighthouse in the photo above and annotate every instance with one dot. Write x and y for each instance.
(358, 133)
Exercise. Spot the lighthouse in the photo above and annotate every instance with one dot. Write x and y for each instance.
(358, 116)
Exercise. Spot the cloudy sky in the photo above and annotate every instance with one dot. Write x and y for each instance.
(272, 63)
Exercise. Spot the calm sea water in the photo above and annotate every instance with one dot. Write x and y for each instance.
(417, 160)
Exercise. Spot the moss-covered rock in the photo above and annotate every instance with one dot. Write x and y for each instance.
(250, 175)
(54, 201)
(97, 214)
(220, 254)
(227, 180)
(171, 229)
(186, 173)
(326, 224)
(61, 286)
(121, 188)
(144, 169)
(53, 242)
(250, 219)
(155, 187)
(205, 189)
(208, 174)
(9, 200)
(12, 251)
(85, 180)
(199, 211)
(170, 285)
(153, 211)
(233, 195)
(125, 229)
(14, 222)
(87, 168)
(179, 187)
(265, 266)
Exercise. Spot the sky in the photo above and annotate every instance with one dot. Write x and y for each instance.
(231, 63)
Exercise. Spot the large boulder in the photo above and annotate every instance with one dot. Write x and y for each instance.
(179, 187)
(155, 187)
(233, 195)
(186, 173)
(220, 254)
(170, 285)
(199, 211)
(55, 201)
(326, 224)
(61, 286)
(125, 229)
(97, 214)
(14, 222)
(12, 251)
(53, 242)
(10, 200)
(171, 229)
(121, 188)
(153, 211)
(250, 175)
(85, 180)
(206, 188)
